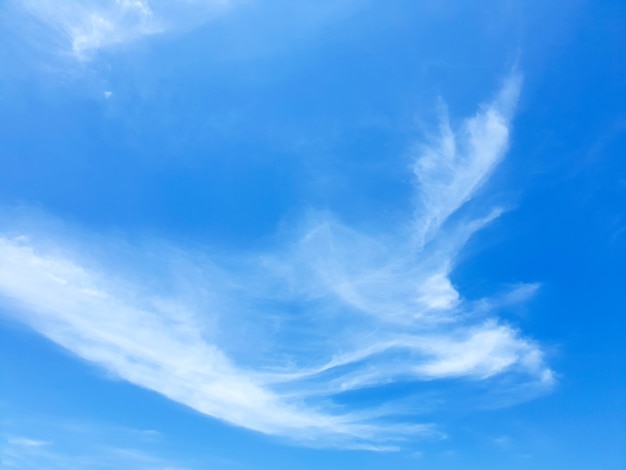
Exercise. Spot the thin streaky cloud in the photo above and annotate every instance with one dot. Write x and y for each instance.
(457, 163)
(334, 310)
(71, 306)
(26, 442)
(20, 452)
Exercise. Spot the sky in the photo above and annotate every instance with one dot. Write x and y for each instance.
(333, 234)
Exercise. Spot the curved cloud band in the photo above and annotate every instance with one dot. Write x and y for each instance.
(282, 337)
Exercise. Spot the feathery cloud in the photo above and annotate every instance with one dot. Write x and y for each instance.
(90, 26)
(282, 337)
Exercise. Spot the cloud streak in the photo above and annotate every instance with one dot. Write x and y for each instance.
(455, 165)
(22, 452)
(277, 341)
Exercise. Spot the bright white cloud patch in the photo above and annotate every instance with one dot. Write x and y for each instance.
(281, 337)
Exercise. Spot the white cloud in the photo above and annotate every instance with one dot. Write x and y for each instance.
(150, 346)
(456, 164)
(91, 26)
(483, 352)
(270, 342)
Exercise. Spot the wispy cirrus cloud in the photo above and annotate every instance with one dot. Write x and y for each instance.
(87, 27)
(23, 452)
(452, 167)
(276, 341)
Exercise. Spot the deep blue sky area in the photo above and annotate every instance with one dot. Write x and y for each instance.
(333, 234)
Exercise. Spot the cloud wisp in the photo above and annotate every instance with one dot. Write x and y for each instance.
(87, 27)
(455, 165)
(283, 342)
(23, 452)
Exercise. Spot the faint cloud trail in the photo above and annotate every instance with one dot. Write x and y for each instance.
(95, 25)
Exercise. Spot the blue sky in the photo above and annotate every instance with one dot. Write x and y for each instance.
(332, 234)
